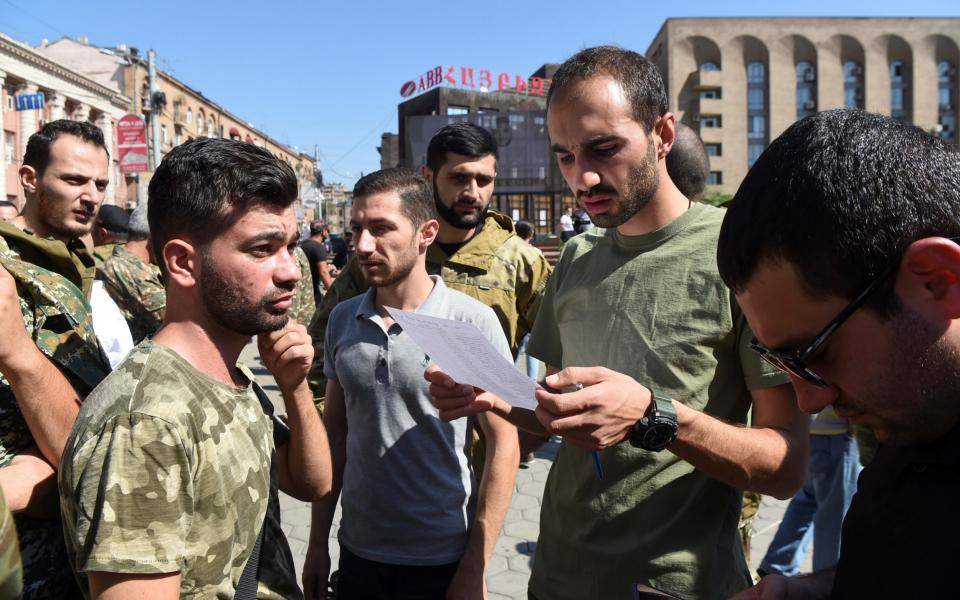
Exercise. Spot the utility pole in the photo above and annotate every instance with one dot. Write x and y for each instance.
(319, 194)
(154, 109)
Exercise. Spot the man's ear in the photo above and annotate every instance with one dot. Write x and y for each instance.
(665, 134)
(428, 233)
(181, 259)
(28, 179)
(929, 277)
(427, 173)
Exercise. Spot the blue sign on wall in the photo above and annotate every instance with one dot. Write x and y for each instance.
(29, 101)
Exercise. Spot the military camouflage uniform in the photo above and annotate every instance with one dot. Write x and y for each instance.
(136, 288)
(169, 470)
(103, 253)
(11, 572)
(57, 317)
(304, 304)
(495, 266)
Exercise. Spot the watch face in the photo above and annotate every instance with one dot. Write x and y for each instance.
(659, 435)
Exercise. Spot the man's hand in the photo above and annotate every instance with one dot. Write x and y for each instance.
(598, 416)
(287, 353)
(468, 583)
(316, 571)
(771, 587)
(30, 484)
(12, 330)
(455, 400)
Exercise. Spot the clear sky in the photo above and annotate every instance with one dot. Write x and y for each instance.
(329, 72)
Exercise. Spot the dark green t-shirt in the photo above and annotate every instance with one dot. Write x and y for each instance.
(652, 307)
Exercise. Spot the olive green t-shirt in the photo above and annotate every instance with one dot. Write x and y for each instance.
(652, 307)
(166, 470)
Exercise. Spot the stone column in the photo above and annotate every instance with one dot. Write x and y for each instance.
(81, 112)
(55, 102)
(105, 123)
(28, 119)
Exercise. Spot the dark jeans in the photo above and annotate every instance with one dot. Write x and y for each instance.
(362, 579)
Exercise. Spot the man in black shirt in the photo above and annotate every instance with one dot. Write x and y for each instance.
(841, 246)
(315, 247)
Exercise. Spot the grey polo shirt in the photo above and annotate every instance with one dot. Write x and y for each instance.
(408, 491)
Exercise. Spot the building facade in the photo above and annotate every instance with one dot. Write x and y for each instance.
(67, 94)
(185, 114)
(529, 185)
(742, 81)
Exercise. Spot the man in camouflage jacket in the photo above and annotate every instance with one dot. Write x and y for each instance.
(50, 358)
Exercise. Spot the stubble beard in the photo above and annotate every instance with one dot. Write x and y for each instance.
(455, 219)
(225, 303)
(49, 212)
(405, 263)
(642, 183)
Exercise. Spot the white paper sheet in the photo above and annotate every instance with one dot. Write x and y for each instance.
(462, 351)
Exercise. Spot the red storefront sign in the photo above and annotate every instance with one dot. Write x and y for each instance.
(481, 79)
(132, 144)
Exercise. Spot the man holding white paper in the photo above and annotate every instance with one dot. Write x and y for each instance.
(415, 524)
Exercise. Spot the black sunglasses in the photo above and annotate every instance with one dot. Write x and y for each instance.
(795, 361)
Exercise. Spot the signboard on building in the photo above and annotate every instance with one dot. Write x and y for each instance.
(132, 144)
(476, 79)
(29, 101)
(523, 147)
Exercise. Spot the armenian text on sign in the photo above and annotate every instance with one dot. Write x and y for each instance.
(29, 101)
(482, 79)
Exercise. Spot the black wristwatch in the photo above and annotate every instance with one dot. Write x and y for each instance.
(658, 428)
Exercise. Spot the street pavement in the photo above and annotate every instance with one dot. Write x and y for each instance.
(509, 568)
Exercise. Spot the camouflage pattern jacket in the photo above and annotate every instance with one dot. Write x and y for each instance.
(102, 253)
(304, 304)
(137, 289)
(495, 266)
(57, 316)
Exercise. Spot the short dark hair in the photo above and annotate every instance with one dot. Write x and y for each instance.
(204, 184)
(460, 138)
(688, 164)
(416, 196)
(524, 229)
(840, 196)
(38, 146)
(638, 77)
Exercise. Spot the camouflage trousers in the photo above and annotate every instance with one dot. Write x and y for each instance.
(748, 511)
(46, 571)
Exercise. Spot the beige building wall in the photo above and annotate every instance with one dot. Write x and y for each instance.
(683, 45)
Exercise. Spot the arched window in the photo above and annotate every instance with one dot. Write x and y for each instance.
(899, 89)
(852, 84)
(806, 89)
(709, 66)
(946, 90)
(211, 127)
(189, 116)
(201, 124)
(756, 111)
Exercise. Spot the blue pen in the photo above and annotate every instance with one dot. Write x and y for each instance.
(596, 453)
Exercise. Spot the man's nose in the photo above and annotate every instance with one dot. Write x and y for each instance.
(812, 398)
(364, 242)
(290, 268)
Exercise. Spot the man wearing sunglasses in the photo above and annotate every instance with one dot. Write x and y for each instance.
(841, 247)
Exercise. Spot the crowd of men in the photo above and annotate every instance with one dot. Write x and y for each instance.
(683, 344)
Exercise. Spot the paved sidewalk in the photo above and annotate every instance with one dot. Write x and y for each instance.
(509, 569)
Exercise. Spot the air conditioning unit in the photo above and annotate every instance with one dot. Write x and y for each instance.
(809, 75)
(809, 105)
(856, 70)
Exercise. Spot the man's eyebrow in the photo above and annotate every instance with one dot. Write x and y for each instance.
(270, 235)
(587, 144)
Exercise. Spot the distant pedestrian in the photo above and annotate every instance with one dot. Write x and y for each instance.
(688, 164)
(316, 249)
(567, 229)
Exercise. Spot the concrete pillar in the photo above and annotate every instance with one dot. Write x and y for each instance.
(28, 119)
(105, 123)
(924, 86)
(782, 83)
(55, 104)
(829, 76)
(876, 77)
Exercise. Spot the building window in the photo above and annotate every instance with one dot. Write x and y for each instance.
(163, 134)
(946, 88)
(177, 135)
(710, 121)
(709, 66)
(9, 148)
(211, 127)
(899, 89)
(713, 149)
(806, 89)
(713, 94)
(189, 116)
(458, 110)
(852, 85)
(756, 110)
(201, 124)
(715, 178)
